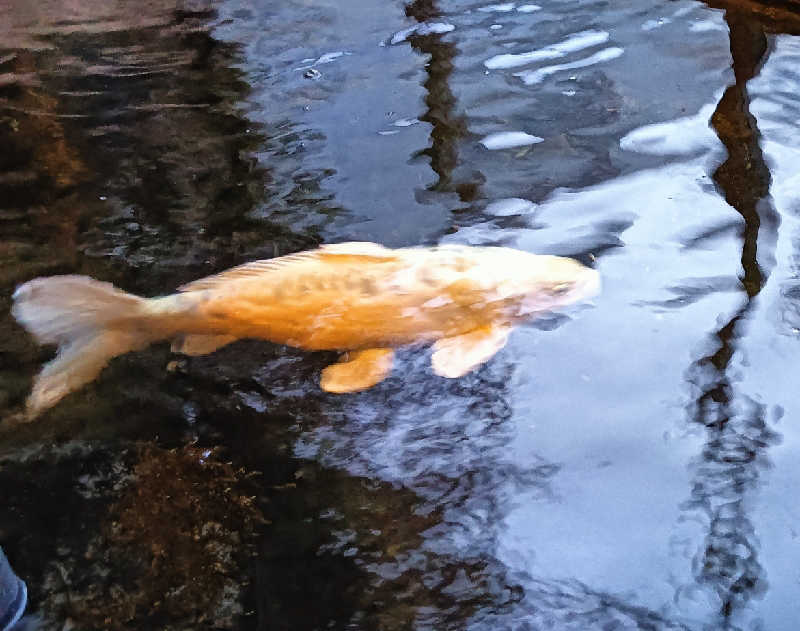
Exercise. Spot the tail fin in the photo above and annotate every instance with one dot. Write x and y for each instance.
(91, 322)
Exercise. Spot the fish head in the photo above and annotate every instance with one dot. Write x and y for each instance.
(534, 283)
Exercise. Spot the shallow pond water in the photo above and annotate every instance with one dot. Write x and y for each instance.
(630, 464)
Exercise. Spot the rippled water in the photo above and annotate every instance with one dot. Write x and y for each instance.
(628, 465)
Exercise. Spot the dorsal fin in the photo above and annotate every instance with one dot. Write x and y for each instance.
(357, 248)
(362, 250)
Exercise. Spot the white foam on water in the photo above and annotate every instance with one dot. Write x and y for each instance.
(510, 206)
(428, 28)
(651, 25)
(679, 13)
(499, 8)
(704, 26)
(528, 8)
(574, 43)
(509, 139)
(530, 77)
(329, 57)
(484, 233)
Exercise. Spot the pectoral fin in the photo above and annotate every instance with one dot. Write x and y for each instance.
(456, 356)
(200, 344)
(358, 370)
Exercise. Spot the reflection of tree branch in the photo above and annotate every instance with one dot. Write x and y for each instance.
(744, 177)
(448, 127)
(736, 429)
(776, 16)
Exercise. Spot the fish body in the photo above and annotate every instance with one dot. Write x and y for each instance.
(360, 298)
(355, 295)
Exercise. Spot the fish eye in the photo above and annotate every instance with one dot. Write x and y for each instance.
(560, 289)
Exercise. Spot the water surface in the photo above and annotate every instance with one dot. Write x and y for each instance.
(627, 465)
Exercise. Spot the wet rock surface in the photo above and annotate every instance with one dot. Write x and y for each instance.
(161, 538)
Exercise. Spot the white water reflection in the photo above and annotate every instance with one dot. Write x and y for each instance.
(428, 28)
(767, 363)
(510, 206)
(645, 222)
(509, 140)
(574, 43)
(703, 26)
(683, 136)
(498, 8)
(531, 77)
(651, 25)
(647, 218)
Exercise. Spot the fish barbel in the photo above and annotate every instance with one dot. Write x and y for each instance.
(359, 298)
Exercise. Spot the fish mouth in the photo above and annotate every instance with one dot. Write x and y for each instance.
(584, 286)
(590, 284)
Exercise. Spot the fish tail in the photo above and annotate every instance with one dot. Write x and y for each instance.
(90, 321)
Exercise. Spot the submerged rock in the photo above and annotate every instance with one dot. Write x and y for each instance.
(168, 539)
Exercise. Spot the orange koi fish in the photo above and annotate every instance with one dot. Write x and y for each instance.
(359, 298)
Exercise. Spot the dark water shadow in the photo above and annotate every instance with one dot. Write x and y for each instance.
(373, 492)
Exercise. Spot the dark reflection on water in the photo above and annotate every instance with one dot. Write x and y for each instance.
(737, 429)
(126, 159)
(378, 549)
(151, 114)
(143, 123)
(447, 127)
(772, 17)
